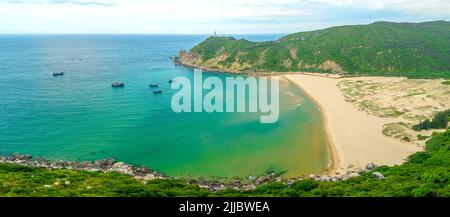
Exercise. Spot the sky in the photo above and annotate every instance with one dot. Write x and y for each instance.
(206, 16)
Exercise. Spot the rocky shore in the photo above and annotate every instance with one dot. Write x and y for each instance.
(105, 165)
(252, 182)
(145, 174)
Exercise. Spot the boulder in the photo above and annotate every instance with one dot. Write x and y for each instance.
(118, 165)
(323, 179)
(371, 166)
(290, 182)
(105, 163)
(22, 157)
(149, 177)
(334, 179)
(84, 164)
(141, 171)
(262, 179)
(249, 187)
(378, 175)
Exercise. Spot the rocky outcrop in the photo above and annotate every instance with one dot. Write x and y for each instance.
(105, 165)
(239, 184)
(349, 173)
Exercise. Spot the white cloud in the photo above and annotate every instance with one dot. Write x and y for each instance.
(422, 7)
(181, 16)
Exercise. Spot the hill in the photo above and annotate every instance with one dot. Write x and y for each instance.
(382, 48)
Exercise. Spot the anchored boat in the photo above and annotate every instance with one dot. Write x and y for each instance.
(157, 91)
(154, 85)
(118, 84)
(56, 74)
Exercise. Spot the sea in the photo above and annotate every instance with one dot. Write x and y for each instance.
(79, 116)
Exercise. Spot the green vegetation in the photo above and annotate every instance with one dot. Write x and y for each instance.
(382, 48)
(421, 137)
(397, 130)
(440, 121)
(35, 182)
(425, 174)
(446, 82)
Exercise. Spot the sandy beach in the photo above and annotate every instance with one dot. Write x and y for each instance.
(355, 137)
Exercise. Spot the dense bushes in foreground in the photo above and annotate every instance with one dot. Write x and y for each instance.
(25, 181)
(425, 174)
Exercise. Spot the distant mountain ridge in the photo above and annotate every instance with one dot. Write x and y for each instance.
(381, 48)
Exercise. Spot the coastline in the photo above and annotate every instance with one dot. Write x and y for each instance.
(342, 165)
(355, 138)
(180, 62)
(334, 162)
(345, 154)
(145, 174)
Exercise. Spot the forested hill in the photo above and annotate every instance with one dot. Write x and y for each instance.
(381, 48)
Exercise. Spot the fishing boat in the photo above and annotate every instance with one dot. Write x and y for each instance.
(157, 91)
(118, 84)
(154, 85)
(170, 81)
(56, 74)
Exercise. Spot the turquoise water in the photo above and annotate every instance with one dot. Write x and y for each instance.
(80, 117)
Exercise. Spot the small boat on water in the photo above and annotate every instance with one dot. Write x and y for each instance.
(118, 84)
(171, 81)
(157, 91)
(154, 85)
(56, 74)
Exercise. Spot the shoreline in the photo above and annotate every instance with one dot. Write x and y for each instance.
(348, 155)
(145, 174)
(180, 62)
(333, 157)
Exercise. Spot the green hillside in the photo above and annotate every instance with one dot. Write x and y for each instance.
(381, 48)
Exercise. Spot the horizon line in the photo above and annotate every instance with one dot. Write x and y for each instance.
(211, 33)
(87, 33)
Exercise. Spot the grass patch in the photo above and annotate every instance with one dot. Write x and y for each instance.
(397, 130)
(386, 112)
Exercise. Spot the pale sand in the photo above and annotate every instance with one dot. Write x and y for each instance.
(356, 137)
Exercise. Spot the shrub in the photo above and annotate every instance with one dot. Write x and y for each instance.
(304, 185)
(439, 121)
